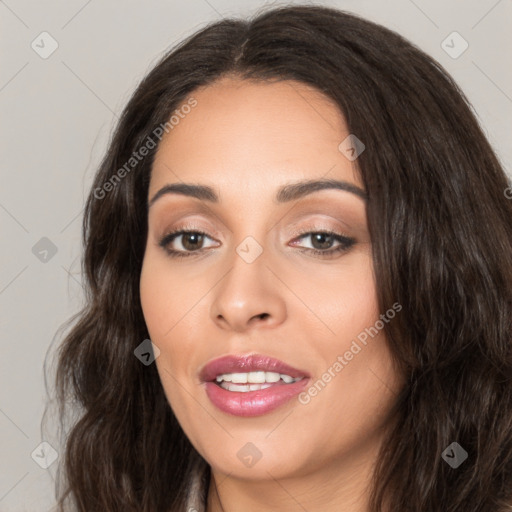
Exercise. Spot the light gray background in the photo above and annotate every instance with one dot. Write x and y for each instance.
(57, 114)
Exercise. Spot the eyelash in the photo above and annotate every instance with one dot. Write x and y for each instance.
(345, 242)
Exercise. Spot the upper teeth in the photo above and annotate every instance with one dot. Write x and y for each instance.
(255, 377)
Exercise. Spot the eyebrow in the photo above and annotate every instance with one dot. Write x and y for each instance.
(285, 194)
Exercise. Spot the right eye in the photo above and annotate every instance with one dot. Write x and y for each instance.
(191, 242)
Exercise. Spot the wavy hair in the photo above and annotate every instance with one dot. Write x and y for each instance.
(441, 230)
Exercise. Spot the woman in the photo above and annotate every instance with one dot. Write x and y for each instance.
(297, 254)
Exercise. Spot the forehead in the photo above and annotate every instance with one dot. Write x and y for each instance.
(244, 132)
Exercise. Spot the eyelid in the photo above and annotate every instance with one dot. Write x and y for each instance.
(296, 232)
(319, 218)
(191, 225)
(317, 228)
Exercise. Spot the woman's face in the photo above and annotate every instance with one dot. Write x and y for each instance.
(254, 285)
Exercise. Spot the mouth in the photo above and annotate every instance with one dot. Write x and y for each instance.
(251, 385)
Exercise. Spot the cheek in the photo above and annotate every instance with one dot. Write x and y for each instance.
(344, 300)
(355, 379)
(161, 314)
(172, 311)
(166, 298)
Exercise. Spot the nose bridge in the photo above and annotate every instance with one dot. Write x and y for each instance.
(249, 291)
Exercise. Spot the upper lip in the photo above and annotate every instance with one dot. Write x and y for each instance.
(247, 363)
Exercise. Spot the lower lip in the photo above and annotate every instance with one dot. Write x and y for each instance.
(253, 403)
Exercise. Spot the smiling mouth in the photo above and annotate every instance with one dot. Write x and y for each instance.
(253, 381)
(249, 369)
(251, 385)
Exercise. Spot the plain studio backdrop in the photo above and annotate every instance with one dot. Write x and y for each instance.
(67, 70)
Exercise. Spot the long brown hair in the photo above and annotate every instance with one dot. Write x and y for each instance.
(441, 230)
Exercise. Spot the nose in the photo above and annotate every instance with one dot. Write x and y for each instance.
(249, 296)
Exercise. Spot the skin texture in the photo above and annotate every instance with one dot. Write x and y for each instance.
(246, 140)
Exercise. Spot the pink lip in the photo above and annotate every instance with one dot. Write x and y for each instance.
(251, 403)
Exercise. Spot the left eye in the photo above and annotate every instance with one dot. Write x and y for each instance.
(322, 241)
